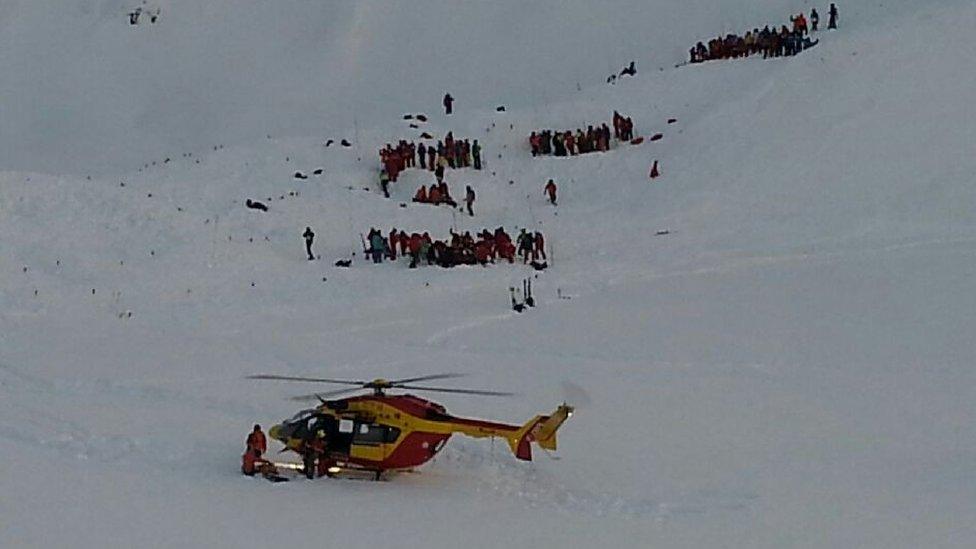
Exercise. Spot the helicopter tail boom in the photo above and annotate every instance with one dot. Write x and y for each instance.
(541, 430)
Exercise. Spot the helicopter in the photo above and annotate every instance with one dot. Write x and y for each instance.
(378, 432)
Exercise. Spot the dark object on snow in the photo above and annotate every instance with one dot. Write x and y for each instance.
(408, 117)
(629, 70)
(448, 104)
(500, 108)
(329, 142)
(421, 117)
(655, 173)
(527, 292)
(426, 135)
(414, 127)
(318, 171)
(672, 120)
(345, 143)
(657, 137)
(344, 263)
(663, 232)
(134, 16)
(300, 175)
(637, 140)
(539, 266)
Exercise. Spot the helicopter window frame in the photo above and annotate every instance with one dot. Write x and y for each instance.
(347, 426)
(372, 434)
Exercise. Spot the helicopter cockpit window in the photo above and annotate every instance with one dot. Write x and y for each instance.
(345, 426)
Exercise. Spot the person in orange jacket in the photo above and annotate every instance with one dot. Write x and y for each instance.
(551, 191)
(257, 441)
(434, 195)
(252, 462)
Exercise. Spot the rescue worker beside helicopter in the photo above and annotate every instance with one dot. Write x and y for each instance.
(315, 450)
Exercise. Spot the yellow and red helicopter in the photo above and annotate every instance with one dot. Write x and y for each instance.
(380, 432)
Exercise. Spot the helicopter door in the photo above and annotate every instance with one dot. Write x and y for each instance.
(342, 440)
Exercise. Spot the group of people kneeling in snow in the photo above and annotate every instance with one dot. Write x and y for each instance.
(459, 249)
(768, 42)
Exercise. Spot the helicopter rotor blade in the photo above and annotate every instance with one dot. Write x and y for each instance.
(322, 396)
(306, 379)
(426, 378)
(459, 391)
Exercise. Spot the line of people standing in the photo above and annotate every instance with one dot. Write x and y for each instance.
(768, 42)
(459, 249)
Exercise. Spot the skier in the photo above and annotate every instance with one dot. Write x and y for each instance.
(814, 19)
(476, 153)
(385, 182)
(257, 441)
(551, 191)
(309, 237)
(469, 199)
(832, 23)
(448, 104)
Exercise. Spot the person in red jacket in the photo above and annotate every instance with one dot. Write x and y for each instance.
(257, 441)
(421, 195)
(551, 191)
(540, 247)
(570, 143)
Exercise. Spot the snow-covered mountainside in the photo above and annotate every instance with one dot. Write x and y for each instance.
(789, 364)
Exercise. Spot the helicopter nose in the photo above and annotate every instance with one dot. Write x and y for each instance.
(275, 432)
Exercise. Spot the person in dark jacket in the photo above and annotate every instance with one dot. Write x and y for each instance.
(476, 154)
(814, 19)
(832, 22)
(469, 199)
(448, 104)
(309, 237)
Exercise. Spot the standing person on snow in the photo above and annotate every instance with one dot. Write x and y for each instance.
(551, 191)
(526, 245)
(814, 19)
(476, 154)
(385, 182)
(422, 153)
(832, 23)
(309, 236)
(377, 245)
(540, 247)
(257, 441)
(469, 199)
(448, 104)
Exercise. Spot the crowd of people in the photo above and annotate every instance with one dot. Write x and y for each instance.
(787, 41)
(594, 139)
(448, 153)
(459, 249)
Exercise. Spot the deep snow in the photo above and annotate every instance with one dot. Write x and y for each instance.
(790, 366)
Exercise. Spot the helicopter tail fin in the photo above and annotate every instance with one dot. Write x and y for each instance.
(541, 430)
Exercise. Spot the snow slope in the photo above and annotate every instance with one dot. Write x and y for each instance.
(790, 366)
